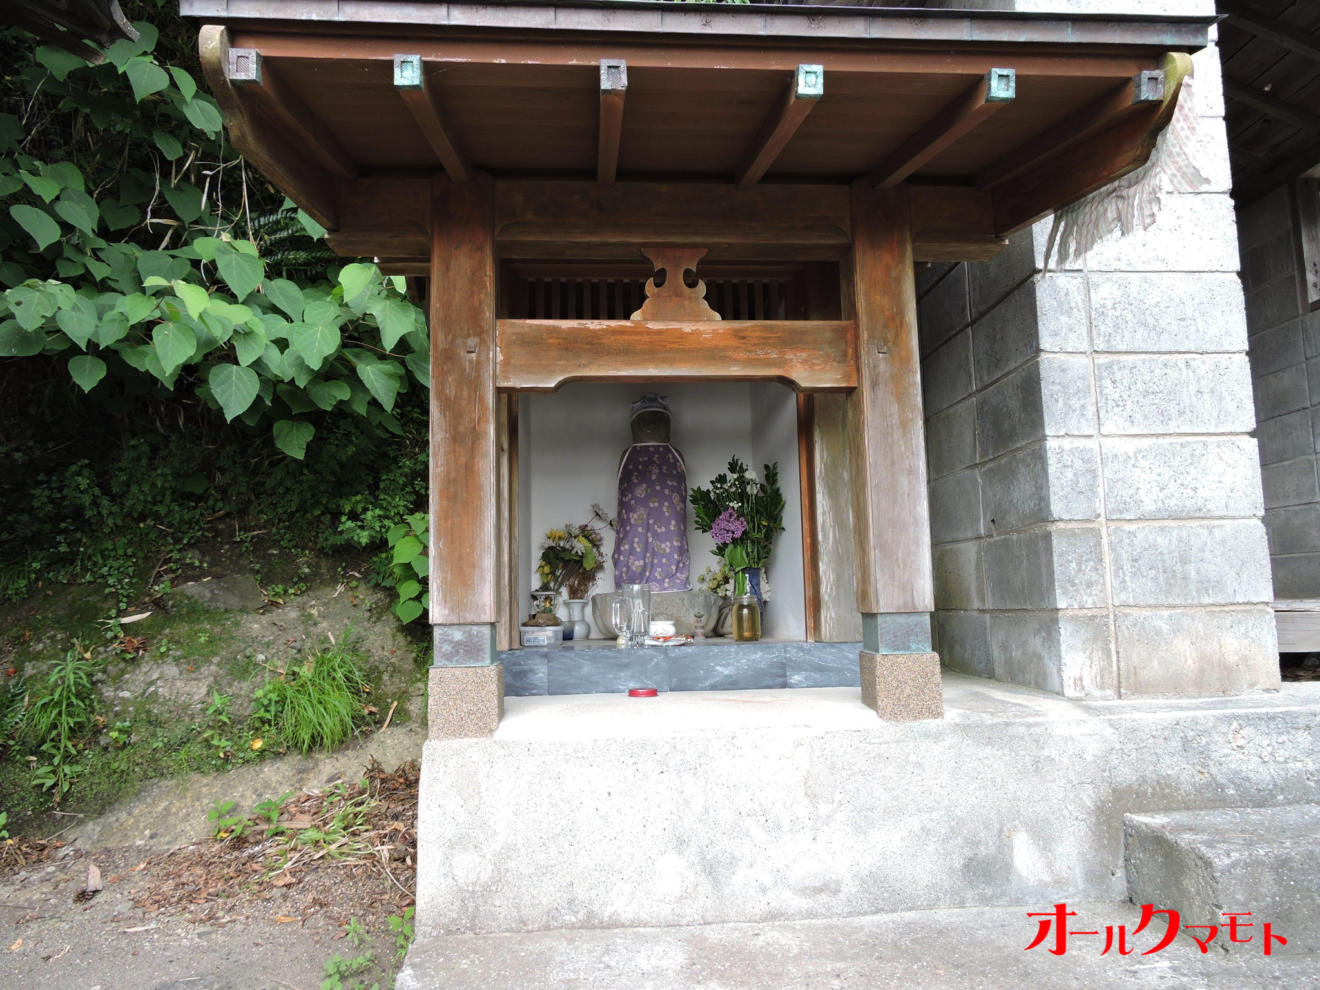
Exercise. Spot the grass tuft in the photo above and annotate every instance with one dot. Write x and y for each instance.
(316, 704)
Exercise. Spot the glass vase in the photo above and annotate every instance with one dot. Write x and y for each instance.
(746, 619)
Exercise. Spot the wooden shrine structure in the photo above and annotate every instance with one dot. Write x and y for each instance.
(474, 145)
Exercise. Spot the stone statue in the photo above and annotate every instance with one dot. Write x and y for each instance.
(650, 544)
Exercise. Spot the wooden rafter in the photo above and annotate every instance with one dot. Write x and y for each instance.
(800, 97)
(266, 147)
(248, 70)
(1067, 177)
(991, 93)
(410, 84)
(1252, 21)
(1144, 88)
(613, 92)
(544, 354)
(1266, 103)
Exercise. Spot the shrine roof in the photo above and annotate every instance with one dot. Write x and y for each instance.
(1016, 113)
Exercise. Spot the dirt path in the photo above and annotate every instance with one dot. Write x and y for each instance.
(179, 909)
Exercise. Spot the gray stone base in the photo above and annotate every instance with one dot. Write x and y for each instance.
(463, 702)
(1203, 863)
(902, 687)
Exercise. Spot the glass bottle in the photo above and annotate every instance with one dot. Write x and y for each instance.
(746, 619)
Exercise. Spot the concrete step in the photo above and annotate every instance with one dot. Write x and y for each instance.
(1206, 863)
(964, 949)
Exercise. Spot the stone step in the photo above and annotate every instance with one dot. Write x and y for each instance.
(1204, 864)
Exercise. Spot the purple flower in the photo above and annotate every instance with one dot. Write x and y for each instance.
(728, 526)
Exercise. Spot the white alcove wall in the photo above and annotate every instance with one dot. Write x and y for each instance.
(569, 443)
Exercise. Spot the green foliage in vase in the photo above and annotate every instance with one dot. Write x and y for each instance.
(757, 503)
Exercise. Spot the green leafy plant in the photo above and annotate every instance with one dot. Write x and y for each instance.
(315, 704)
(401, 927)
(410, 566)
(59, 720)
(4, 821)
(225, 824)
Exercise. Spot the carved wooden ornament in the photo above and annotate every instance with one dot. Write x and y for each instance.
(672, 299)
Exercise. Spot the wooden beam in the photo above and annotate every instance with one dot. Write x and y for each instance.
(990, 94)
(1252, 21)
(952, 223)
(887, 450)
(1067, 177)
(410, 83)
(636, 214)
(1142, 89)
(262, 141)
(464, 417)
(737, 56)
(256, 75)
(541, 355)
(613, 92)
(1272, 105)
(803, 92)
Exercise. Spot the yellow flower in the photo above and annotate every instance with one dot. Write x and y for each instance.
(256, 744)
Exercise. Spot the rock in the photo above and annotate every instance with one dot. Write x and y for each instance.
(238, 592)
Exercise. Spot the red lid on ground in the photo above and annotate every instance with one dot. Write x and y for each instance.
(642, 692)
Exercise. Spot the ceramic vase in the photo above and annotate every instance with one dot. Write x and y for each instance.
(577, 620)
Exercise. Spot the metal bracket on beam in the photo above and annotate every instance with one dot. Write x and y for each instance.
(1000, 85)
(244, 66)
(408, 71)
(810, 81)
(1148, 86)
(613, 75)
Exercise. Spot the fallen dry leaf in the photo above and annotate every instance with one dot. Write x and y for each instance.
(284, 880)
(281, 919)
(16, 946)
(93, 878)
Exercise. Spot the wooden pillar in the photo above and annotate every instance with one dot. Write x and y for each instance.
(466, 681)
(887, 461)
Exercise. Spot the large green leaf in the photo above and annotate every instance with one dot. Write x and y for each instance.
(38, 223)
(407, 548)
(86, 371)
(110, 328)
(383, 379)
(327, 394)
(118, 215)
(195, 297)
(292, 437)
(408, 610)
(31, 305)
(234, 388)
(314, 343)
(241, 272)
(395, 317)
(249, 346)
(66, 174)
(78, 321)
(174, 344)
(187, 85)
(136, 307)
(285, 295)
(46, 188)
(168, 144)
(146, 77)
(17, 342)
(203, 114)
(186, 201)
(58, 61)
(296, 398)
(356, 278)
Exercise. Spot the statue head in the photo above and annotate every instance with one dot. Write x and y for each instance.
(650, 419)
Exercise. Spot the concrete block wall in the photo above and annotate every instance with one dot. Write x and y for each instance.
(1095, 494)
(1284, 351)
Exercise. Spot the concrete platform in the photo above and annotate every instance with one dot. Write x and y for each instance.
(1265, 861)
(966, 949)
(700, 808)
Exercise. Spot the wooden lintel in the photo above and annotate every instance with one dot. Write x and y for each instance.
(613, 92)
(1272, 105)
(264, 145)
(1142, 89)
(280, 101)
(648, 213)
(990, 94)
(541, 355)
(1249, 19)
(1067, 177)
(410, 83)
(800, 97)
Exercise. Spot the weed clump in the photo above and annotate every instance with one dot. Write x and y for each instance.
(317, 704)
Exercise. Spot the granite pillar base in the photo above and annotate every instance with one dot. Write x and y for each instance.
(902, 687)
(464, 702)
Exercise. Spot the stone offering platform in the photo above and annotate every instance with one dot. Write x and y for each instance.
(599, 667)
(701, 808)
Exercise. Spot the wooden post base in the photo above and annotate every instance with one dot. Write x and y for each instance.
(902, 687)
